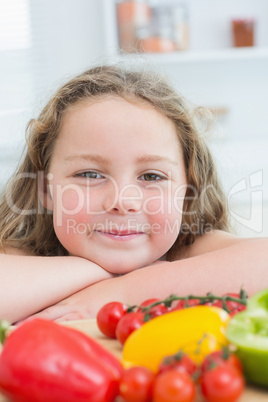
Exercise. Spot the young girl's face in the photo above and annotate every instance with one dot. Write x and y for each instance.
(117, 183)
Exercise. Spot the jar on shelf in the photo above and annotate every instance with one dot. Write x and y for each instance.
(243, 32)
(168, 29)
(133, 20)
(160, 38)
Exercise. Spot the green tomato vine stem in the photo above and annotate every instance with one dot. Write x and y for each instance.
(202, 300)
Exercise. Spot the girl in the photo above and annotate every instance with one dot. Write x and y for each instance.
(117, 198)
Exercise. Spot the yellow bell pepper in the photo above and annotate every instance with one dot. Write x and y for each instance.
(198, 331)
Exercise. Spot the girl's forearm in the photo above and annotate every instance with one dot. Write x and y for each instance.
(29, 284)
(243, 264)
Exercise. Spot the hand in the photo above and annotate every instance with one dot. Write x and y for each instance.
(84, 304)
(63, 312)
(75, 307)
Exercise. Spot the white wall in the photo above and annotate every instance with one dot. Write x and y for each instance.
(67, 37)
(72, 33)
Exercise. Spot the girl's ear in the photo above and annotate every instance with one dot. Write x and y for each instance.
(44, 194)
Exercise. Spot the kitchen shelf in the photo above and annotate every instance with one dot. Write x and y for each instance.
(215, 54)
(243, 54)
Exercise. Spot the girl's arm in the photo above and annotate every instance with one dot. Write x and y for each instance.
(30, 284)
(243, 264)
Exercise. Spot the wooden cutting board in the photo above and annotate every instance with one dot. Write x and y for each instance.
(90, 328)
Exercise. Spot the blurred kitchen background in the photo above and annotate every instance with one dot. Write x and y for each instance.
(215, 52)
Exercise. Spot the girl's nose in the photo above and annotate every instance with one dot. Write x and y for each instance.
(125, 200)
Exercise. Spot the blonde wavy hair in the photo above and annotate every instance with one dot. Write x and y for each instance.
(25, 224)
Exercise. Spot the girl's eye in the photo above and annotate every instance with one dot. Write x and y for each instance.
(150, 177)
(90, 175)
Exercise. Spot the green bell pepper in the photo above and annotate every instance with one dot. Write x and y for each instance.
(248, 331)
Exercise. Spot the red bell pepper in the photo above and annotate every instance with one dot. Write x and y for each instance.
(44, 361)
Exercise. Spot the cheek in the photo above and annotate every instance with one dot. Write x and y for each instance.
(166, 203)
(69, 199)
(167, 225)
(165, 214)
(157, 202)
(75, 202)
(71, 230)
(70, 213)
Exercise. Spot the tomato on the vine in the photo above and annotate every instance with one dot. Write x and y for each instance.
(154, 311)
(179, 361)
(127, 324)
(221, 357)
(233, 306)
(223, 383)
(182, 304)
(174, 386)
(109, 316)
(147, 303)
(136, 384)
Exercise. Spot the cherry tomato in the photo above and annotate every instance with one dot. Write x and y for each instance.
(147, 303)
(182, 304)
(109, 316)
(173, 386)
(223, 383)
(127, 324)
(180, 362)
(233, 307)
(136, 384)
(155, 311)
(220, 357)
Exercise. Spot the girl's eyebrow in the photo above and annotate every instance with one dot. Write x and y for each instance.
(156, 158)
(88, 157)
(100, 159)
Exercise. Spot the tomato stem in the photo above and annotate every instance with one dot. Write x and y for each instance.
(202, 300)
(131, 308)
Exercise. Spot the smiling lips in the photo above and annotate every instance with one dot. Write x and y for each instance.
(122, 235)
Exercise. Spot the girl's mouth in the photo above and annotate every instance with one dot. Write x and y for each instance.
(123, 235)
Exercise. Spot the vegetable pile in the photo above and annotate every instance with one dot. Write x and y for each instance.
(170, 353)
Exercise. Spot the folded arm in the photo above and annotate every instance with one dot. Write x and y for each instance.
(242, 264)
(30, 284)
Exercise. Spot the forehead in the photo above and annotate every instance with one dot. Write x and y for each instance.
(115, 104)
(111, 121)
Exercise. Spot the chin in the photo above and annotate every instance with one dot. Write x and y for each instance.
(122, 267)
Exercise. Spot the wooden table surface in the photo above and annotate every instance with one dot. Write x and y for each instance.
(90, 328)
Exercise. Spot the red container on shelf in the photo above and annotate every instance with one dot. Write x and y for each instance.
(243, 32)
